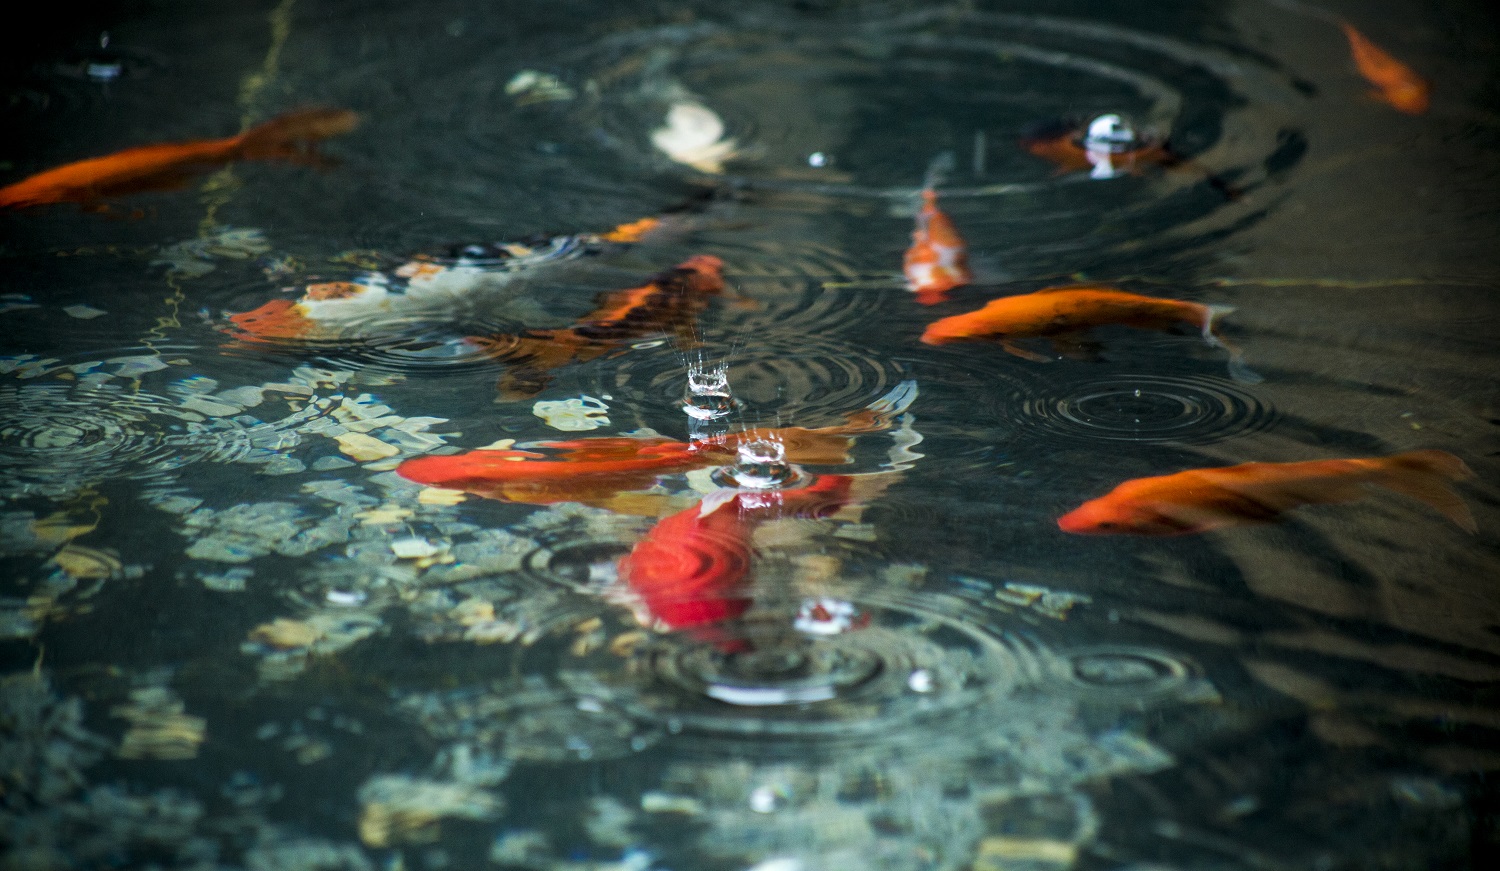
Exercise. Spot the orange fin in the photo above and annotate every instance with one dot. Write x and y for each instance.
(1425, 476)
(290, 135)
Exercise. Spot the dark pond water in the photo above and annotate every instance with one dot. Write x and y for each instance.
(235, 635)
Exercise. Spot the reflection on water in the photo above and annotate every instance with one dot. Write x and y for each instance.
(751, 578)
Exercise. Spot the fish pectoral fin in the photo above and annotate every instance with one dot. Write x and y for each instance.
(1012, 348)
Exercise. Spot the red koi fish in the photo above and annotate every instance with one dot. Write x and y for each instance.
(594, 471)
(424, 286)
(1200, 500)
(288, 137)
(580, 470)
(670, 301)
(1064, 314)
(692, 570)
(937, 260)
(1396, 84)
(1108, 147)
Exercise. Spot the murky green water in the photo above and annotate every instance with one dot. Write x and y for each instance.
(235, 636)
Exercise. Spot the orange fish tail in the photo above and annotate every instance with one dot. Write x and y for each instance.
(1396, 83)
(1426, 476)
(289, 135)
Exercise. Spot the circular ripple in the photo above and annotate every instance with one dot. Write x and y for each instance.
(58, 437)
(856, 670)
(1120, 673)
(795, 98)
(777, 376)
(1145, 409)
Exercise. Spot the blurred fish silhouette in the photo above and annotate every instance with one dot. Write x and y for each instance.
(1109, 147)
(937, 260)
(1396, 84)
(669, 303)
(693, 569)
(1065, 314)
(290, 137)
(1200, 500)
(595, 471)
(424, 286)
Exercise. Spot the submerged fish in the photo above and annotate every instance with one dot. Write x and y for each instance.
(669, 302)
(595, 471)
(579, 470)
(288, 137)
(1396, 84)
(692, 570)
(1200, 500)
(424, 286)
(937, 260)
(1109, 147)
(1064, 314)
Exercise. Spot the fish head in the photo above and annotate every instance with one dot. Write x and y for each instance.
(1116, 516)
(941, 332)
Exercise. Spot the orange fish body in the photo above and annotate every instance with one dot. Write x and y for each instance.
(670, 301)
(1396, 84)
(595, 470)
(1200, 500)
(692, 570)
(584, 470)
(937, 260)
(1059, 311)
(151, 167)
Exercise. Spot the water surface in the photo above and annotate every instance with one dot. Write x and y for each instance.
(235, 637)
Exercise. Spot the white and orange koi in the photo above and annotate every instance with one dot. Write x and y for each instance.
(425, 286)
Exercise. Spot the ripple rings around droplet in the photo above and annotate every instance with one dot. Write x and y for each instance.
(904, 662)
(777, 379)
(1144, 409)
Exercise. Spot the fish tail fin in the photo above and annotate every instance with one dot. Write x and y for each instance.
(1237, 368)
(938, 170)
(291, 134)
(1426, 476)
(1211, 316)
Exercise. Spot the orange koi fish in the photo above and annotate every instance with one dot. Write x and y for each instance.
(425, 286)
(593, 471)
(937, 260)
(1200, 500)
(581, 470)
(1109, 147)
(1064, 314)
(692, 570)
(288, 137)
(1396, 84)
(668, 302)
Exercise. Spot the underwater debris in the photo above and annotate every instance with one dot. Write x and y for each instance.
(694, 136)
(195, 258)
(531, 86)
(1047, 602)
(159, 726)
(573, 415)
(399, 809)
(45, 746)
